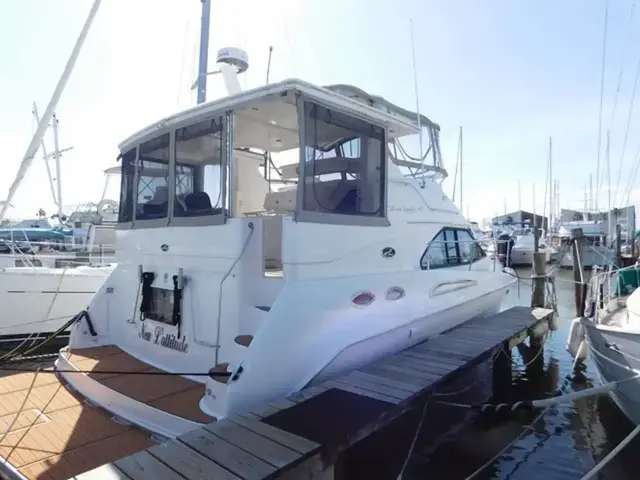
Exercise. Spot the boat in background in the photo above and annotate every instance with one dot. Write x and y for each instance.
(611, 334)
(598, 249)
(39, 301)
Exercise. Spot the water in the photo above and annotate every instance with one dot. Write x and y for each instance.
(565, 443)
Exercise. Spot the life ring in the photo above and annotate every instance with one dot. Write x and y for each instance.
(107, 207)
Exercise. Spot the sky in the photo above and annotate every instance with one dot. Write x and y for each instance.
(511, 73)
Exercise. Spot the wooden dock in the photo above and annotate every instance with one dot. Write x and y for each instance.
(304, 435)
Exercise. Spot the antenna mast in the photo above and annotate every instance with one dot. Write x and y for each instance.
(269, 62)
(204, 51)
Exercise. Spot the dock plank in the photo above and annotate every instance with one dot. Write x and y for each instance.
(105, 472)
(359, 375)
(404, 374)
(364, 392)
(431, 356)
(261, 447)
(294, 442)
(189, 463)
(307, 393)
(265, 411)
(227, 455)
(415, 363)
(376, 387)
(143, 465)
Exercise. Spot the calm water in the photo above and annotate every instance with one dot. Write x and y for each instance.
(564, 444)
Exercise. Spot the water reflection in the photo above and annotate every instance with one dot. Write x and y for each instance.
(565, 443)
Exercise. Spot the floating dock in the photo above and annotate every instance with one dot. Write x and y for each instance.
(307, 435)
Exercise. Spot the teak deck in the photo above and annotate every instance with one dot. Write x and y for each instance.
(302, 435)
(49, 432)
(171, 393)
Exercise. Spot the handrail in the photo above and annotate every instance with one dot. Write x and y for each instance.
(455, 286)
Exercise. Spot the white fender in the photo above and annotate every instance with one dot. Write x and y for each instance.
(576, 339)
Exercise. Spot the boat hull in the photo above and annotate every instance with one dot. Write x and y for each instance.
(410, 334)
(38, 301)
(613, 366)
(592, 256)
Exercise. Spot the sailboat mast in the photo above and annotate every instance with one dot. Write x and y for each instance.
(608, 160)
(32, 149)
(45, 156)
(205, 20)
(550, 184)
(461, 163)
(535, 216)
(56, 157)
(591, 202)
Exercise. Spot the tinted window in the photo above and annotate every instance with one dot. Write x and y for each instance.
(436, 254)
(344, 164)
(469, 249)
(200, 171)
(125, 213)
(451, 247)
(152, 201)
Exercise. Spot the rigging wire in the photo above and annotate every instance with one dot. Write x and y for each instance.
(632, 178)
(621, 73)
(627, 127)
(604, 61)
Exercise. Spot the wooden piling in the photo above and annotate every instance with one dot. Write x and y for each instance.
(618, 245)
(539, 280)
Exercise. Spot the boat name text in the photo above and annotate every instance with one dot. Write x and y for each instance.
(166, 340)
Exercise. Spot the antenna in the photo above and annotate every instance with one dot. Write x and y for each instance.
(269, 63)
(231, 62)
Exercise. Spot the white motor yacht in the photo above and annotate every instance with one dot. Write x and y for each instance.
(269, 241)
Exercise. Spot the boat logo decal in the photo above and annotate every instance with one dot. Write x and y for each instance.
(164, 247)
(388, 252)
(166, 340)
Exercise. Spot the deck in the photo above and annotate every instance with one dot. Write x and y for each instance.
(173, 394)
(47, 431)
(303, 435)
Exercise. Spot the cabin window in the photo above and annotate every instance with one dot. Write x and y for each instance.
(344, 167)
(200, 170)
(152, 201)
(451, 247)
(125, 213)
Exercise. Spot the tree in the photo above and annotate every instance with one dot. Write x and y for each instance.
(577, 217)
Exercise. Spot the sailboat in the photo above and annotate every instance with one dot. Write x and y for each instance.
(84, 236)
(611, 333)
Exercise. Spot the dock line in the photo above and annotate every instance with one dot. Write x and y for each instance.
(545, 402)
(611, 455)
